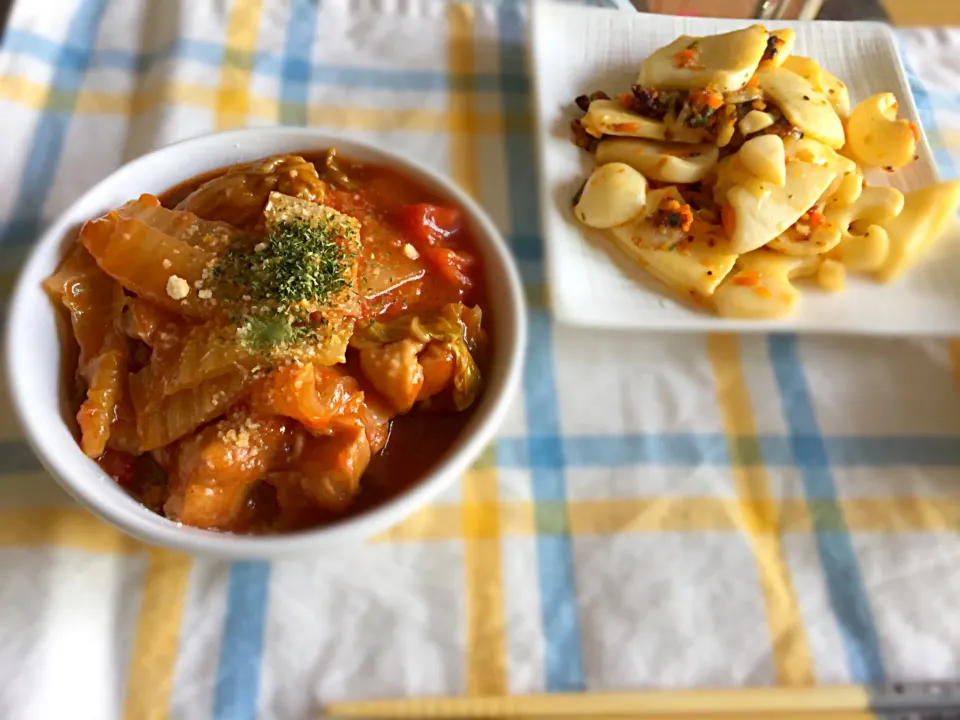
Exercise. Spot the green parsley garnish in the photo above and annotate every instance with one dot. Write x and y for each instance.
(296, 263)
(264, 333)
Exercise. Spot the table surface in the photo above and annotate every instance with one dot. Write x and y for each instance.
(831, 10)
(657, 511)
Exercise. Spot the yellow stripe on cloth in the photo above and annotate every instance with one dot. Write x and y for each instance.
(9, 427)
(622, 516)
(954, 347)
(486, 627)
(923, 13)
(69, 527)
(462, 123)
(876, 515)
(647, 515)
(791, 648)
(77, 529)
(150, 97)
(480, 509)
(439, 522)
(944, 137)
(233, 96)
(155, 646)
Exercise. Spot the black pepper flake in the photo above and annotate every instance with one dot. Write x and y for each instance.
(578, 193)
(583, 101)
(709, 272)
(806, 97)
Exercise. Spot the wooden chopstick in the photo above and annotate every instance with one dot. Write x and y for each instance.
(830, 715)
(846, 702)
(790, 715)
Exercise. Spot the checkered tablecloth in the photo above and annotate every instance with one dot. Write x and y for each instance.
(658, 511)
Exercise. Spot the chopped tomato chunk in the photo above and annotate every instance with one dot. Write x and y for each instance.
(429, 225)
(454, 265)
(432, 230)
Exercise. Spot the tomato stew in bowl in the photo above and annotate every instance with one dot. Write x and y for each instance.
(275, 345)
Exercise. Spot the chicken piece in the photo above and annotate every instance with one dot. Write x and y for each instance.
(331, 466)
(296, 509)
(240, 194)
(216, 468)
(376, 417)
(395, 372)
(439, 365)
(314, 396)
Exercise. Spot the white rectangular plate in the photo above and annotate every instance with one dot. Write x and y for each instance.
(578, 50)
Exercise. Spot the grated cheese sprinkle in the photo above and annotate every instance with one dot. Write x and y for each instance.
(177, 287)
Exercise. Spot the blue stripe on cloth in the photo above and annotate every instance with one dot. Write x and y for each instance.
(563, 665)
(238, 681)
(43, 157)
(692, 450)
(670, 450)
(561, 625)
(848, 596)
(528, 252)
(269, 64)
(295, 70)
(926, 106)
(17, 457)
(526, 247)
(932, 100)
(238, 675)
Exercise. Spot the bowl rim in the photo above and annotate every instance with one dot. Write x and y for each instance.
(157, 530)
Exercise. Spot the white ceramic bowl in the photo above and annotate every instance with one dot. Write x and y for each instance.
(33, 355)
